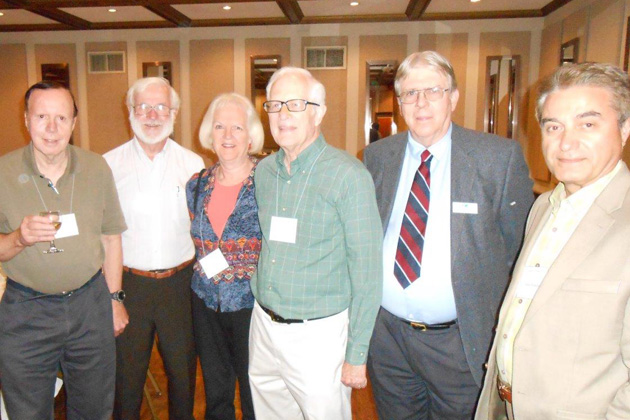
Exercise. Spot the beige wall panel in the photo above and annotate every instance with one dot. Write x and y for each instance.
(604, 33)
(211, 73)
(504, 44)
(148, 51)
(60, 53)
(575, 26)
(455, 48)
(107, 114)
(335, 81)
(13, 85)
(549, 60)
(377, 48)
(266, 46)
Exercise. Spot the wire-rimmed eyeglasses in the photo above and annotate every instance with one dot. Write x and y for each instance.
(293, 105)
(160, 109)
(430, 94)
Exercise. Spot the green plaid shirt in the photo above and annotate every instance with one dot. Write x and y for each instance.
(336, 262)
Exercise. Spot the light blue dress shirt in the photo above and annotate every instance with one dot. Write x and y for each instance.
(430, 298)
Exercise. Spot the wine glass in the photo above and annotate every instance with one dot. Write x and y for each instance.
(53, 216)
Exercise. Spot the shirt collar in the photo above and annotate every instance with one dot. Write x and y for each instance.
(143, 155)
(439, 150)
(585, 196)
(28, 159)
(306, 158)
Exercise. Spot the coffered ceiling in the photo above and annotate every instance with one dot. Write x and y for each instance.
(38, 15)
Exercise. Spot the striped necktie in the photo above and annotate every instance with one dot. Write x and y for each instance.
(411, 241)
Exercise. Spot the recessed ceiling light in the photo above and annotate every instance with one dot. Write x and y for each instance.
(475, 1)
(354, 3)
(1, 14)
(227, 7)
(111, 10)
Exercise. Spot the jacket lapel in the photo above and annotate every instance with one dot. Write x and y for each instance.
(391, 174)
(589, 233)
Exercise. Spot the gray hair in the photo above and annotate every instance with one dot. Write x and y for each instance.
(425, 59)
(254, 126)
(317, 93)
(141, 84)
(602, 75)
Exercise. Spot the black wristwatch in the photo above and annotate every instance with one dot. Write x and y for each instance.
(118, 296)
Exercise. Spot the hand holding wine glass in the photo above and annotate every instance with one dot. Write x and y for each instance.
(53, 216)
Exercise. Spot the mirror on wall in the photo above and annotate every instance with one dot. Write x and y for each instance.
(158, 69)
(262, 68)
(381, 107)
(569, 51)
(501, 103)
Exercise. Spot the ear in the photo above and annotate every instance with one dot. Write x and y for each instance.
(454, 99)
(624, 132)
(26, 120)
(74, 122)
(174, 113)
(319, 114)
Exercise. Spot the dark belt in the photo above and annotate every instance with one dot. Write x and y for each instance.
(36, 295)
(505, 391)
(158, 274)
(277, 318)
(423, 327)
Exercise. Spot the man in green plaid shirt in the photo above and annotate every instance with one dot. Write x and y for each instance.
(319, 281)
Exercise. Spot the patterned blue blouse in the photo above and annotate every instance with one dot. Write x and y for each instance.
(229, 290)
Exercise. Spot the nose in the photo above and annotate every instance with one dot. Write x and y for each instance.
(422, 100)
(51, 126)
(152, 114)
(284, 110)
(568, 140)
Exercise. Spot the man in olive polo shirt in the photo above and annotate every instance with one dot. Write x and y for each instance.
(58, 307)
(319, 280)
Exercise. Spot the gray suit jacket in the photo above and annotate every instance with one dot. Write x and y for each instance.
(487, 170)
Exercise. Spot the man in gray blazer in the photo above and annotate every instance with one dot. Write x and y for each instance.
(453, 203)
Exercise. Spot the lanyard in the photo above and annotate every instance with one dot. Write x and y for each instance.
(303, 188)
(55, 189)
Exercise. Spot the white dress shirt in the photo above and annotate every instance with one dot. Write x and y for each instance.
(430, 298)
(153, 199)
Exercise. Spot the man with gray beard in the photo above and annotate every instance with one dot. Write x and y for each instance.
(151, 171)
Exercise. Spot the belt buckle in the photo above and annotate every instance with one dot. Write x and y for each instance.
(418, 325)
(275, 317)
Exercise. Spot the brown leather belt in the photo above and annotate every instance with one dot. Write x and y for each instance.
(158, 274)
(424, 327)
(277, 318)
(505, 391)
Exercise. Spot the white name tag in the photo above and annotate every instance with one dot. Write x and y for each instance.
(283, 229)
(465, 208)
(530, 282)
(68, 227)
(213, 263)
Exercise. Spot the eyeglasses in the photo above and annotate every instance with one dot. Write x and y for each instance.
(293, 105)
(430, 94)
(160, 109)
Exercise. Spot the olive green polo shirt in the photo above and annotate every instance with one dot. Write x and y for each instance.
(336, 260)
(86, 189)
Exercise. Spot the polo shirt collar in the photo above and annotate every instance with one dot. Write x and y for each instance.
(28, 159)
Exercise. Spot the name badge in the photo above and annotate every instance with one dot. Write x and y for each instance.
(530, 282)
(465, 208)
(283, 229)
(68, 227)
(213, 263)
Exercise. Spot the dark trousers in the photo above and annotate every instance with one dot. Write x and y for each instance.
(39, 335)
(418, 375)
(156, 307)
(222, 344)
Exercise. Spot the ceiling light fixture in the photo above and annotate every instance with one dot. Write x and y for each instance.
(1, 14)
(227, 7)
(354, 3)
(475, 1)
(111, 10)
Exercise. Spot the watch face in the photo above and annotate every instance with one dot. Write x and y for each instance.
(119, 295)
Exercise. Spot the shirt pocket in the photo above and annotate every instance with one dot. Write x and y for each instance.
(591, 286)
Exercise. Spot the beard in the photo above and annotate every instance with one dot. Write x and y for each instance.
(138, 129)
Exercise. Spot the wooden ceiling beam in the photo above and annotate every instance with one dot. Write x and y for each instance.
(416, 8)
(52, 13)
(171, 14)
(291, 10)
(553, 6)
(118, 3)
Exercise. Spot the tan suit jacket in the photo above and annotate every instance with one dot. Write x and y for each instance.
(572, 353)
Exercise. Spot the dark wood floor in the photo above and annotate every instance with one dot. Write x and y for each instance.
(363, 407)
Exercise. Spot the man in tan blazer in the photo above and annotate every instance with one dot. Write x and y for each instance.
(562, 346)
